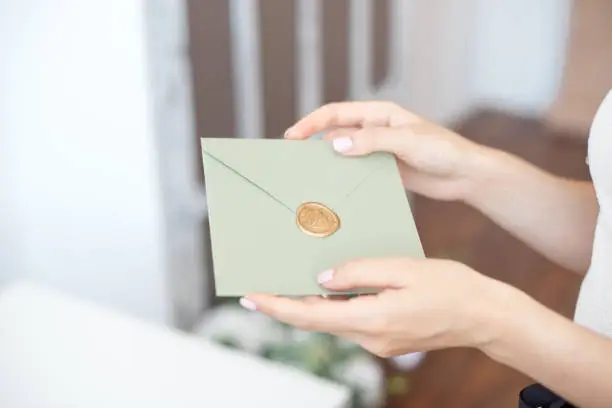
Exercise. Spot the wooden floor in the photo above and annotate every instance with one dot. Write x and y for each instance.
(463, 378)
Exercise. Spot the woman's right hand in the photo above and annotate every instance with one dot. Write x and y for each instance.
(433, 161)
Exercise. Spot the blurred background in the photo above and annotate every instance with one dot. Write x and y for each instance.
(102, 105)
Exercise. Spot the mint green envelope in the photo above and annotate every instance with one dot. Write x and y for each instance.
(253, 190)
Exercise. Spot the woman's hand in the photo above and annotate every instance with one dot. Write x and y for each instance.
(433, 304)
(433, 161)
(421, 305)
(538, 208)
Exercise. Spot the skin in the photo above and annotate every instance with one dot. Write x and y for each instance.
(434, 304)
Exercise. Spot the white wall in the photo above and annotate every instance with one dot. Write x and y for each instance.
(519, 53)
(464, 54)
(81, 208)
(438, 51)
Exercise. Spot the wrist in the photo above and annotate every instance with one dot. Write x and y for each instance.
(483, 168)
(512, 316)
(495, 313)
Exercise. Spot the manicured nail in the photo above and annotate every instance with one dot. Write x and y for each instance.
(248, 304)
(287, 132)
(343, 144)
(325, 276)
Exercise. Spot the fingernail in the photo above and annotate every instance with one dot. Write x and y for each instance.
(248, 304)
(343, 144)
(287, 132)
(325, 276)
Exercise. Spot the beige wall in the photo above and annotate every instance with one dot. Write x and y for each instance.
(588, 72)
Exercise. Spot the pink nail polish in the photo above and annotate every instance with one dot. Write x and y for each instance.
(325, 276)
(343, 144)
(248, 304)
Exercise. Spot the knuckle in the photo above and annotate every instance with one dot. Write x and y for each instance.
(406, 264)
(345, 267)
(327, 111)
(365, 140)
(396, 114)
(349, 267)
(401, 269)
(392, 106)
(383, 104)
(382, 348)
(331, 106)
(269, 308)
(306, 324)
(386, 353)
(377, 324)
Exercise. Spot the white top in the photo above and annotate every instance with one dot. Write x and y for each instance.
(61, 352)
(594, 309)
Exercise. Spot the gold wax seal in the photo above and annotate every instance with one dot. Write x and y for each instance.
(317, 220)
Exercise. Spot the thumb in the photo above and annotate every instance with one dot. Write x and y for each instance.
(375, 273)
(358, 142)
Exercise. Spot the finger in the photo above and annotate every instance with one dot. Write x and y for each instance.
(398, 141)
(324, 315)
(340, 132)
(374, 273)
(353, 114)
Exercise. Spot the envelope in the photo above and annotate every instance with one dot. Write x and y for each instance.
(254, 188)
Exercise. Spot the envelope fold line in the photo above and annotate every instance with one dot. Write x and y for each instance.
(362, 181)
(295, 172)
(253, 183)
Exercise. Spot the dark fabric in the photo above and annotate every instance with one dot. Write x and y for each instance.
(537, 396)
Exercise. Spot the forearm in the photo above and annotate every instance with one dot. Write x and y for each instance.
(572, 361)
(554, 216)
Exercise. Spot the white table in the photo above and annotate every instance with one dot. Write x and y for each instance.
(57, 352)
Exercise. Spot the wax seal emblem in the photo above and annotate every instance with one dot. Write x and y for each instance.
(317, 220)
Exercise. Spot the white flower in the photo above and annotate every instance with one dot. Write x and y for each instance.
(250, 331)
(408, 362)
(366, 374)
(345, 344)
(302, 336)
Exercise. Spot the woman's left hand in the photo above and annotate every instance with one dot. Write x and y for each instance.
(421, 304)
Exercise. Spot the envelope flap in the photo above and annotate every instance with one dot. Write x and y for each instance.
(294, 172)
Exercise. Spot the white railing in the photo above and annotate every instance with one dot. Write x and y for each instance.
(247, 72)
(247, 76)
(308, 55)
